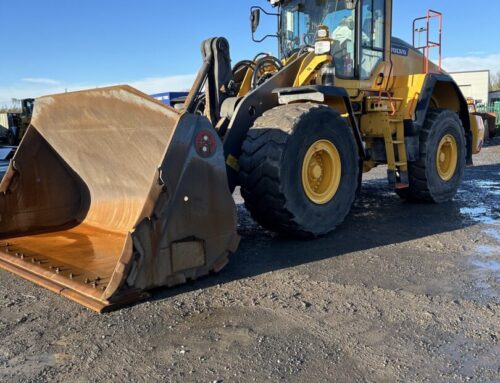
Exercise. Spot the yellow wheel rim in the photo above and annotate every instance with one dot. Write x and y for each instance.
(321, 172)
(447, 157)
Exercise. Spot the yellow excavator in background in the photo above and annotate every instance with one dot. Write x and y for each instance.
(112, 193)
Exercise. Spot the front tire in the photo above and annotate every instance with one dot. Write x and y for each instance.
(299, 170)
(438, 173)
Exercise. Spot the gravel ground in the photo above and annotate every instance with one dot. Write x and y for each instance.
(399, 293)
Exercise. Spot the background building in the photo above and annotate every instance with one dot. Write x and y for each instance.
(495, 96)
(474, 84)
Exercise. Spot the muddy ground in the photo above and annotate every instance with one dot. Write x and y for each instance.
(399, 293)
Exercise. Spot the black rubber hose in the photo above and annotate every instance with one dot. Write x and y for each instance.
(265, 61)
(263, 54)
(243, 64)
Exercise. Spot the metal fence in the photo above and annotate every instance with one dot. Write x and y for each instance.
(492, 108)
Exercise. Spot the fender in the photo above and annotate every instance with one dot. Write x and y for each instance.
(434, 85)
(334, 96)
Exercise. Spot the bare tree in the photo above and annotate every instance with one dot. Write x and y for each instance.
(495, 82)
(15, 107)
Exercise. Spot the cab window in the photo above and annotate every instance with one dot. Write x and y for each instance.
(342, 26)
(372, 36)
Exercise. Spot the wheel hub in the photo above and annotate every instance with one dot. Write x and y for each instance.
(447, 157)
(316, 171)
(321, 172)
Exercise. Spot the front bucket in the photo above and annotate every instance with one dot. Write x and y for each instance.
(109, 195)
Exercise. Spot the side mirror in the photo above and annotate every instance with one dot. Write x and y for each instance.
(255, 19)
(351, 4)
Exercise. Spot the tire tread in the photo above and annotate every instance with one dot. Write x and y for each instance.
(262, 154)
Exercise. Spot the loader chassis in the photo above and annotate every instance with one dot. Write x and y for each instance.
(95, 220)
(391, 97)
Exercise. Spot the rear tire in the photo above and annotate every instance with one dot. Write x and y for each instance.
(274, 178)
(436, 178)
(487, 134)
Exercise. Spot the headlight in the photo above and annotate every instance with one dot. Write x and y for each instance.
(322, 33)
(322, 47)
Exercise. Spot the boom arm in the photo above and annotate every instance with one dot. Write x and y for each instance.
(216, 74)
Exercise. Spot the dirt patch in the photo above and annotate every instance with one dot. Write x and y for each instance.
(400, 292)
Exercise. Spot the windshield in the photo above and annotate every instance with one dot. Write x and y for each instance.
(300, 21)
(301, 18)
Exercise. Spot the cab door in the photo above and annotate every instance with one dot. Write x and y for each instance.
(373, 48)
(375, 44)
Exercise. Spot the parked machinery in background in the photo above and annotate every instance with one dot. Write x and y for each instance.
(27, 106)
(490, 114)
(13, 125)
(9, 122)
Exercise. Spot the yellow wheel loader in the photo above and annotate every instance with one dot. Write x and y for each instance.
(112, 193)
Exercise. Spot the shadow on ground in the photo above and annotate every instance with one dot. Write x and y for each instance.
(379, 218)
(495, 141)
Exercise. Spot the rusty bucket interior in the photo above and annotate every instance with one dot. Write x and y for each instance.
(89, 205)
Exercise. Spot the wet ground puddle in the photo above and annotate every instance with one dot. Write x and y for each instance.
(484, 209)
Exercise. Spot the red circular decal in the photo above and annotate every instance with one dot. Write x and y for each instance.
(205, 143)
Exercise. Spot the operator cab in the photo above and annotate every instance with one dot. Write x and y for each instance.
(357, 28)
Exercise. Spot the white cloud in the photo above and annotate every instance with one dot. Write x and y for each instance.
(40, 81)
(164, 84)
(22, 90)
(27, 88)
(36, 87)
(476, 53)
(473, 62)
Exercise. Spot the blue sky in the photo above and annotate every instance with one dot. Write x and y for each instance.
(53, 45)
